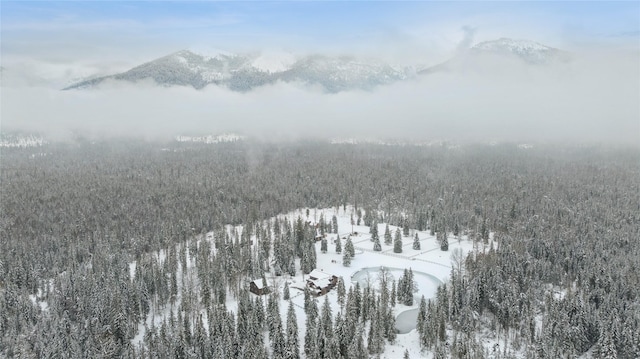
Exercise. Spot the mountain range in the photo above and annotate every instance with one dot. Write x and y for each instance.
(244, 72)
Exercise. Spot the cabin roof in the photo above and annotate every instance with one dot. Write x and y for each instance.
(258, 283)
(319, 274)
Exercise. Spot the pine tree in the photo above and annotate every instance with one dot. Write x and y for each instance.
(392, 296)
(376, 245)
(606, 347)
(405, 227)
(338, 245)
(326, 322)
(349, 253)
(323, 245)
(310, 337)
(406, 354)
(341, 291)
(334, 224)
(322, 225)
(292, 350)
(444, 241)
(373, 230)
(406, 288)
(285, 292)
(484, 232)
(397, 243)
(346, 259)
(374, 339)
(416, 242)
(387, 235)
(356, 348)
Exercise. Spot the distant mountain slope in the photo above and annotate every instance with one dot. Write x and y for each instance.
(245, 72)
(333, 74)
(525, 51)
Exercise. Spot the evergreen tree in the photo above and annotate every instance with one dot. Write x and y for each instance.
(376, 245)
(416, 242)
(356, 348)
(326, 322)
(310, 337)
(341, 291)
(334, 224)
(373, 230)
(374, 339)
(484, 232)
(405, 226)
(338, 245)
(606, 347)
(346, 259)
(323, 245)
(397, 243)
(444, 241)
(387, 235)
(285, 292)
(308, 261)
(393, 294)
(292, 350)
(321, 224)
(349, 252)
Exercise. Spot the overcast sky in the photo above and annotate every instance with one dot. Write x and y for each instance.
(53, 43)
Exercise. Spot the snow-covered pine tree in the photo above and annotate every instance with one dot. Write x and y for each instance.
(376, 245)
(341, 291)
(285, 292)
(338, 245)
(416, 242)
(387, 235)
(392, 295)
(292, 350)
(374, 339)
(373, 230)
(405, 226)
(322, 225)
(349, 252)
(334, 224)
(397, 243)
(444, 241)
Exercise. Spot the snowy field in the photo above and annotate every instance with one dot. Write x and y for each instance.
(431, 266)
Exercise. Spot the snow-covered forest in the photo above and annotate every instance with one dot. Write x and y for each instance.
(131, 249)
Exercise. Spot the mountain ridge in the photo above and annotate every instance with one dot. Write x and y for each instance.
(244, 72)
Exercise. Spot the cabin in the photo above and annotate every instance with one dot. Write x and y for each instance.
(257, 287)
(320, 282)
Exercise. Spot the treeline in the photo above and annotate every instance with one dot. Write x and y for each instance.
(565, 220)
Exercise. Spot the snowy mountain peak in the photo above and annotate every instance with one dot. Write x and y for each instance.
(487, 52)
(512, 45)
(529, 51)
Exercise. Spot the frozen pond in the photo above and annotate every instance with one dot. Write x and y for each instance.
(407, 320)
(427, 286)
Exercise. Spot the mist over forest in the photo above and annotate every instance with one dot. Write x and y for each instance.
(592, 98)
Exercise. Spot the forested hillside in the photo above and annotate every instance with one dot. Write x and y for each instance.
(561, 281)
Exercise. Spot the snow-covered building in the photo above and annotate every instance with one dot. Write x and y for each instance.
(321, 282)
(258, 287)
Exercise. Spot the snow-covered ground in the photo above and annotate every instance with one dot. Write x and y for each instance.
(430, 265)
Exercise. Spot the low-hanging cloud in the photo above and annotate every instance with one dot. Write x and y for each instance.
(589, 99)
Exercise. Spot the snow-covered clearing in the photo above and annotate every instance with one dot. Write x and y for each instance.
(430, 265)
